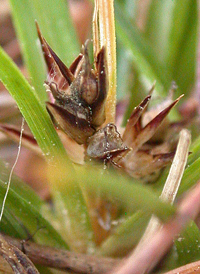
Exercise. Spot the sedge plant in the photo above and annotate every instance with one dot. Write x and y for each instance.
(105, 174)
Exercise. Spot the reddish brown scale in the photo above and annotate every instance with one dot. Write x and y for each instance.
(146, 158)
(74, 120)
(74, 66)
(80, 92)
(54, 66)
(106, 143)
(88, 88)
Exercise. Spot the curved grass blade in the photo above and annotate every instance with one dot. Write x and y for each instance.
(190, 177)
(24, 21)
(52, 148)
(195, 149)
(126, 236)
(191, 174)
(35, 114)
(170, 188)
(141, 53)
(23, 213)
(172, 28)
(185, 249)
(71, 208)
(129, 232)
(57, 27)
(129, 194)
(55, 21)
(157, 27)
(183, 41)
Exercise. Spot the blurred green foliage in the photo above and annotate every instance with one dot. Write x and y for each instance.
(165, 49)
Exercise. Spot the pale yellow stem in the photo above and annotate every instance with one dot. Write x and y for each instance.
(171, 185)
(104, 35)
(95, 25)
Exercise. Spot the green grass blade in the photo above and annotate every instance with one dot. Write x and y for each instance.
(23, 212)
(34, 113)
(55, 22)
(31, 219)
(178, 26)
(123, 234)
(187, 245)
(172, 30)
(141, 53)
(157, 27)
(183, 43)
(44, 270)
(57, 27)
(195, 149)
(71, 208)
(129, 194)
(126, 236)
(123, 72)
(190, 176)
(24, 21)
(11, 225)
(65, 196)
(185, 249)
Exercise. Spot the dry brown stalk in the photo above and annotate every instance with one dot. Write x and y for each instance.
(63, 259)
(171, 185)
(17, 260)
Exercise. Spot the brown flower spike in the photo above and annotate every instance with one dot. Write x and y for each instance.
(151, 141)
(79, 92)
(79, 110)
(77, 107)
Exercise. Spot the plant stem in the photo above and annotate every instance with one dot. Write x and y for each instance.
(17, 260)
(104, 35)
(171, 185)
(63, 259)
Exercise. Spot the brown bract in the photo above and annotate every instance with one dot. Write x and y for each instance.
(106, 144)
(79, 92)
(150, 138)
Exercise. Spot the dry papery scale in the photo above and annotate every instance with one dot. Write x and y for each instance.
(77, 107)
